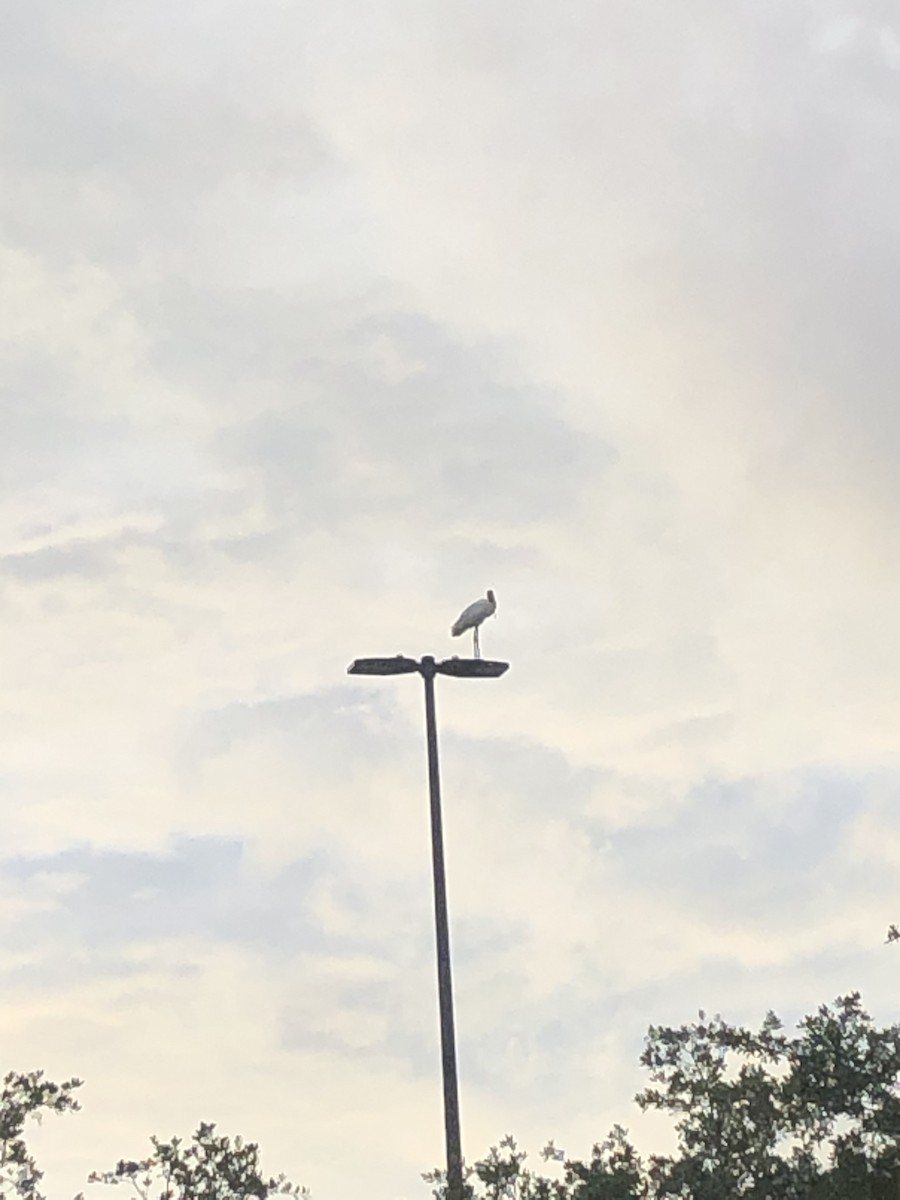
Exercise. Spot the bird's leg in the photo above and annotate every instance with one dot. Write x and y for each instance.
(475, 638)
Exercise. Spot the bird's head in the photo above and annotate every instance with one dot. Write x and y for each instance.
(490, 596)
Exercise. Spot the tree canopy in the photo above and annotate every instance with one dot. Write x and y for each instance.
(24, 1096)
(209, 1167)
(760, 1115)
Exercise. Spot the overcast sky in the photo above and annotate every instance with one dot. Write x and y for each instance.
(320, 319)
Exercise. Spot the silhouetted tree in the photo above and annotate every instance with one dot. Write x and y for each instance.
(759, 1115)
(24, 1096)
(209, 1167)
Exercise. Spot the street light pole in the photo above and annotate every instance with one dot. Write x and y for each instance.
(442, 937)
(471, 668)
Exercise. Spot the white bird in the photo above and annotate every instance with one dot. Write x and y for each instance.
(471, 618)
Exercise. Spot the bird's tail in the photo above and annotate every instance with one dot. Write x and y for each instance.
(456, 630)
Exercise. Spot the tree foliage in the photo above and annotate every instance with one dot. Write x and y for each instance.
(613, 1172)
(759, 1115)
(24, 1096)
(209, 1167)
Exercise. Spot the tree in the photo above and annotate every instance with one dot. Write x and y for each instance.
(760, 1115)
(613, 1172)
(210, 1167)
(24, 1096)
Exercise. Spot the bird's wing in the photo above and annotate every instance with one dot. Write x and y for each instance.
(473, 615)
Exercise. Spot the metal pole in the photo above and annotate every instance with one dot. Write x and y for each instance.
(442, 933)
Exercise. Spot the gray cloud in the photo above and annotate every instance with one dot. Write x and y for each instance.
(116, 132)
(449, 443)
(727, 849)
(331, 725)
(56, 562)
(110, 902)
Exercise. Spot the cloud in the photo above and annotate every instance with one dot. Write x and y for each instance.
(447, 443)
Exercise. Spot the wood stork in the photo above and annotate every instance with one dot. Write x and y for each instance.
(471, 618)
